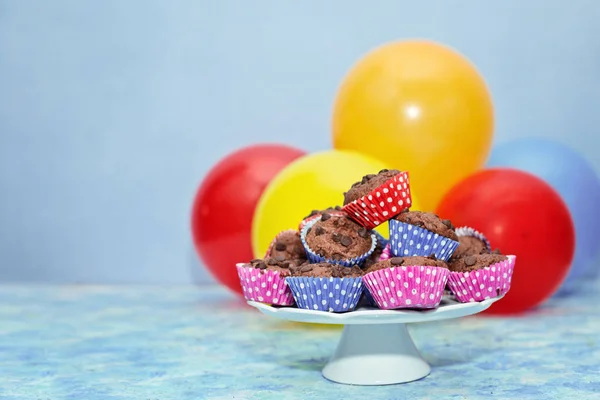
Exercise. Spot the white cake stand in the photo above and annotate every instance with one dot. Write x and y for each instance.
(375, 347)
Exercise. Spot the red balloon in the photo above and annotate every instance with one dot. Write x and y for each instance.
(224, 206)
(522, 215)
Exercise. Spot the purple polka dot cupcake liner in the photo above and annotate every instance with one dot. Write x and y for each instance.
(264, 286)
(272, 244)
(468, 231)
(482, 284)
(382, 203)
(315, 258)
(407, 286)
(410, 240)
(326, 294)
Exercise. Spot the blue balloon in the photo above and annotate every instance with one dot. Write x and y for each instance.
(575, 180)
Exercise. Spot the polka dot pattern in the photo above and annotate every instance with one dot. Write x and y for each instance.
(383, 203)
(386, 253)
(326, 294)
(407, 286)
(410, 240)
(317, 258)
(264, 286)
(483, 284)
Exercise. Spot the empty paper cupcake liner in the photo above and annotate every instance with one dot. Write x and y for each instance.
(382, 203)
(407, 286)
(468, 231)
(317, 258)
(264, 286)
(326, 294)
(482, 284)
(270, 249)
(410, 240)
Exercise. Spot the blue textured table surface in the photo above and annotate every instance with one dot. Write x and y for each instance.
(129, 342)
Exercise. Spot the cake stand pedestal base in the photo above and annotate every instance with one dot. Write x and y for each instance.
(378, 354)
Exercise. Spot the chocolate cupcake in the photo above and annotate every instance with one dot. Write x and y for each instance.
(264, 280)
(471, 242)
(418, 233)
(378, 197)
(287, 246)
(407, 282)
(337, 240)
(326, 287)
(315, 214)
(481, 276)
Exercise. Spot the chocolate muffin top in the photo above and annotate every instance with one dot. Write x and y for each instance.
(288, 246)
(468, 246)
(475, 262)
(338, 238)
(326, 270)
(336, 209)
(368, 184)
(430, 261)
(283, 267)
(429, 221)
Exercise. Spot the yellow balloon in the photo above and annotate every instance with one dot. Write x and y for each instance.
(417, 106)
(312, 182)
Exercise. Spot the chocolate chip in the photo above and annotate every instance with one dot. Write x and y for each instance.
(279, 246)
(272, 261)
(383, 170)
(396, 260)
(404, 211)
(335, 237)
(319, 231)
(325, 217)
(338, 208)
(346, 241)
(255, 261)
(470, 261)
(363, 233)
(370, 176)
(261, 265)
(448, 223)
(346, 271)
(288, 264)
(432, 256)
(497, 251)
(308, 230)
(280, 257)
(299, 250)
(306, 268)
(420, 224)
(364, 180)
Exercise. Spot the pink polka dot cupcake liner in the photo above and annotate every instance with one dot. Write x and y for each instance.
(386, 253)
(326, 294)
(468, 231)
(407, 286)
(482, 284)
(315, 258)
(317, 216)
(264, 286)
(272, 244)
(381, 204)
(410, 240)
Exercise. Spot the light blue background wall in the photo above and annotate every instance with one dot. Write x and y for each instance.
(111, 112)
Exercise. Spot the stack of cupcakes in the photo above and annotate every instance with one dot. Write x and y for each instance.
(335, 259)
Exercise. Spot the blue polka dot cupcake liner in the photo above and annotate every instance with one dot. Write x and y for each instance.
(326, 294)
(410, 240)
(468, 231)
(383, 242)
(317, 258)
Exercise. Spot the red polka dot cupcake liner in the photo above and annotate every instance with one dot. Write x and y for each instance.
(416, 286)
(264, 286)
(326, 294)
(382, 203)
(272, 244)
(317, 216)
(316, 258)
(482, 284)
(468, 231)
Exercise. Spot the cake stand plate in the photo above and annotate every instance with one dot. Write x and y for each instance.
(375, 347)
